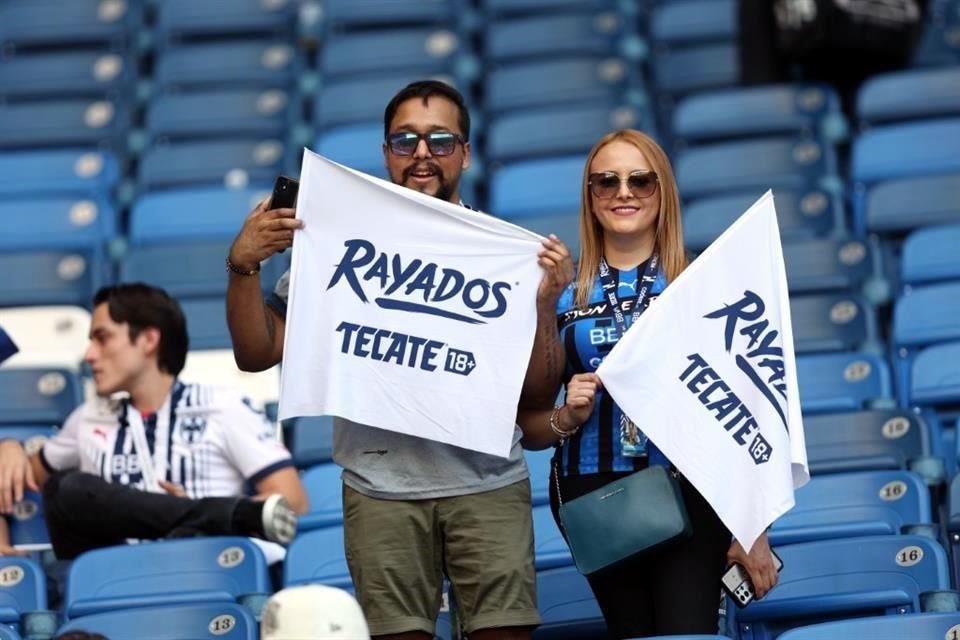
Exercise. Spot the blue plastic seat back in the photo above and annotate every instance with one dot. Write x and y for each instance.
(358, 146)
(562, 81)
(89, 74)
(549, 546)
(694, 21)
(835, 322)
(926, 315)
(843, 381)
(60, 221)
(787, 109)
(6, 633)
(80, 172)
(904, 150)
(215, 569)
(567, 606)
(233, 162)
(325, 493)
(317, 557)
(940, 44)
(346, 14)
(33, 436)
(557, 130)
(537, 188)
(905, 95)
(865, 440)
(62, 123)
(800, 214)
(67, 276)
(186, 19)
(207, 322)
(556, 34)
(38, 395)
(826, 265)
(934, 377)
(913, 625)
(258, 63)
(23, 588)
(213, 621)
(861, 576)
(854, 504)
(351, 101)
(506, 8)
(225, 112)
(539, 464)
(427, 51)
(310, 440)
(172, 216)
(930, 254)
(565, 226)
(897, 206)
(78, 22)
(685, 70)
(784, 162)
(27, 525)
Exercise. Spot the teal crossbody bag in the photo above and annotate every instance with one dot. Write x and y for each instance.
(624, 519)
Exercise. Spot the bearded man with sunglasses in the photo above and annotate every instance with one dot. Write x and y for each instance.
(416, 510)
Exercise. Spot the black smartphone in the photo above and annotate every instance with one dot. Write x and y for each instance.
(737, 583)
(284, 193)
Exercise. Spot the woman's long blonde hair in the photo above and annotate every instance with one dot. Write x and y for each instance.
(669, 240)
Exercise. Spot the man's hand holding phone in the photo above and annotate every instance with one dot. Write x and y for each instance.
(267, 230)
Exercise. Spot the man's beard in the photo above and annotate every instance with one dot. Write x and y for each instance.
(445, 188)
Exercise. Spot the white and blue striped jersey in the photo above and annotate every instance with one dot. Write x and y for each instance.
(210, 440)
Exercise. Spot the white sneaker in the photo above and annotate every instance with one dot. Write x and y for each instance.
(279, 519)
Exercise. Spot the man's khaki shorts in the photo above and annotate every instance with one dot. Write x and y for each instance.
(399, 550)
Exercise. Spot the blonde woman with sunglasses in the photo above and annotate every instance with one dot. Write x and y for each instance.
(631, 249)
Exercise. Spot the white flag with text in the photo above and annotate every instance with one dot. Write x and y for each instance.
(708, 373)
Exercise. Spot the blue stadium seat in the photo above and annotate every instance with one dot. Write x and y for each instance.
(896, 206)
(309, 439)
(78, 172)
(236, 163)
(187, 19)
(914, 625)
(257, 63)
(923, 316)
(539, 465)
(679, 72)
(66, 276)
(800, 214)
(694, 21)
(38, 395)
(783, 162)
(827, 265)
(422, 50)
(885, 439)
(185, 571)
(27, 525)
(843, 382)
(317, 557)
(809, 110)
(536, 188)
(23, 589)
(940, 44)
(33, 436)
(562, 81)
(213, 621)
(934, 378)
(929, 255)
(506, 8)
(348, 14)
(55, 222)
(854, 504)
(836, 322)
(207, 322)
(78, 22)
(62, 123)
(549, 546)
(226, 112)
(172, 216)
(565, 226)
(352, 101)
(358, 146)
(567, 606)
(89, 74)
(905, 95)
(557, 130)
(830, 579)
(602, 33)
(325, 494)
(6, 633)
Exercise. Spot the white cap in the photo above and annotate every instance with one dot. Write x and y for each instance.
(313, 612)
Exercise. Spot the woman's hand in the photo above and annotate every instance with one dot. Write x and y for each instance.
(581, 393)
(558, 271)
(758, 564)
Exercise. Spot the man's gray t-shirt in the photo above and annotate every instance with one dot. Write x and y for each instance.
(391, 465)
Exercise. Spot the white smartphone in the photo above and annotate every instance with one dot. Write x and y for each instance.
(736, 582)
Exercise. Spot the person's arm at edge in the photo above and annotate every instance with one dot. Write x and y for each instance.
(18, 472)
(286, 482)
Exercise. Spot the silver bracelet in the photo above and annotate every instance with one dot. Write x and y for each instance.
(555, 425)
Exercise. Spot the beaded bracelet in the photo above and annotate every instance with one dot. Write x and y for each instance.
(555, 425)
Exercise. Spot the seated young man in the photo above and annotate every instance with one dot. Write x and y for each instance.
(168, 460)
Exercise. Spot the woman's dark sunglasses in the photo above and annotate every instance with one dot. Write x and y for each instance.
(440, 143)
(606, 185)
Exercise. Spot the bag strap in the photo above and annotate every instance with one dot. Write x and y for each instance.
(556, 479)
